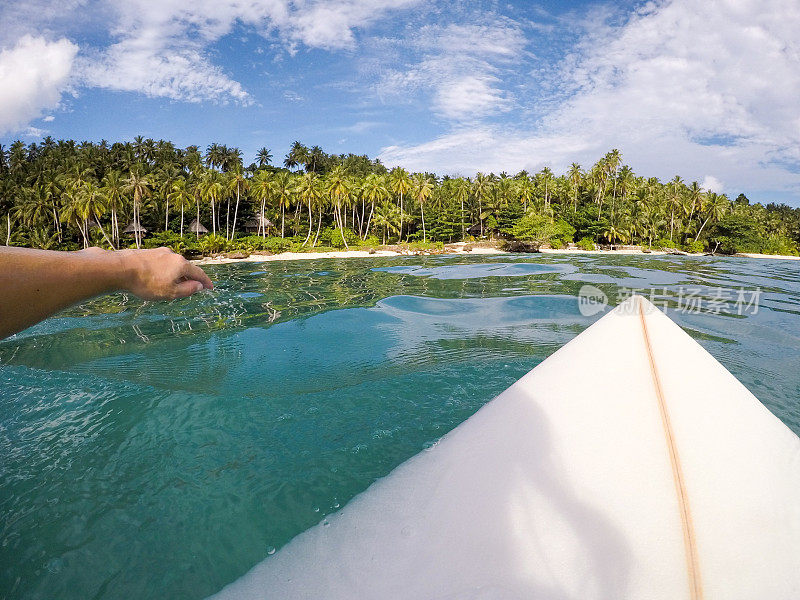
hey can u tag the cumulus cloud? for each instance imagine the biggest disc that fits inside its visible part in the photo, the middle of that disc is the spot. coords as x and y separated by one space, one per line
33 74
712 184
689 86
162 49
459 68
330 24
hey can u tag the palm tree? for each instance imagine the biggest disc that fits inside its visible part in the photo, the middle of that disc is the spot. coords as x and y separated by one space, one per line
113 190
481 187
717 206
298 155
388 218
546 176
262 188
374 190
94 207
214 156
309 191
524 189
264 157
166 178
237 183
76 211
422 189
575 176
181 197
338 189
612 162
613 233
210 188
283 187
463 190
138 185
399 184
674 202
694 198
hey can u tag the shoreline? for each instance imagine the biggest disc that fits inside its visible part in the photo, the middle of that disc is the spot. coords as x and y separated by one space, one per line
458 248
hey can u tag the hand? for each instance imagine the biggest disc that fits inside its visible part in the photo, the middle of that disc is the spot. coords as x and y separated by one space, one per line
160 274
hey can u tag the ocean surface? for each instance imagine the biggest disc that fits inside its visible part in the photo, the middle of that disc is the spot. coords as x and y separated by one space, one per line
160 450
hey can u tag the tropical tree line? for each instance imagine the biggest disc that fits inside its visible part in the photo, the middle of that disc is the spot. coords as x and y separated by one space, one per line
61 194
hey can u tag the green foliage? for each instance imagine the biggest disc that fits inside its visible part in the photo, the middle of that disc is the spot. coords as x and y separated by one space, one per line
694 247
587 243
420 246
737 233
564 233
371 241
212 244
540 230
332 237
42 238
662 243
162 238
256 243
51 191
779 244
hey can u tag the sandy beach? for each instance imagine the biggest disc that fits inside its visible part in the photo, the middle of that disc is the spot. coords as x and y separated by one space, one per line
775 256
464 248
457 248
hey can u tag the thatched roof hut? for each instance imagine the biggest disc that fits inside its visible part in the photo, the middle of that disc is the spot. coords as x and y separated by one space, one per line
133 228
197 227
258 222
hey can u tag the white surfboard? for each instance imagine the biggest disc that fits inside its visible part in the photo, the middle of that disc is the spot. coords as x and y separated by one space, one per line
629 464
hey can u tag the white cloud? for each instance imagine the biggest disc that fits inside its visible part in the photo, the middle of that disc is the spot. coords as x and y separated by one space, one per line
330 24
162 49
33 74
712 184
689 86
459 68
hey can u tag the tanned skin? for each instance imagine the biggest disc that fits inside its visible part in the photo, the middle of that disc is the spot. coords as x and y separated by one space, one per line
35 284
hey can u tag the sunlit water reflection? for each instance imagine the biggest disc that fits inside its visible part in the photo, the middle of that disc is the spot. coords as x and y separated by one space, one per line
161 450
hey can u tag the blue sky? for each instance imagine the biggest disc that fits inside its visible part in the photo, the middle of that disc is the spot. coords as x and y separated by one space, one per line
706 89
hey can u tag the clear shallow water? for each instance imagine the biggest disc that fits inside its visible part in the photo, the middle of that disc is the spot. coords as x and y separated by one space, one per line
161 450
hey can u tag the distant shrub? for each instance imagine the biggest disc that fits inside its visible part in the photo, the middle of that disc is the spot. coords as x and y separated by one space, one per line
587 243
779 244
563 234
694 246
211 244
661 243
332 236
372 240
737 233
162 238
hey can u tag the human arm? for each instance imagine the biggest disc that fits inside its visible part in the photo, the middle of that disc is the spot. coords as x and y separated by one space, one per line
35 284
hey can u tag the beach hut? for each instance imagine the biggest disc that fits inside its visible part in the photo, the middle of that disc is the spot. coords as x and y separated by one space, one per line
197 228
135 228
257 223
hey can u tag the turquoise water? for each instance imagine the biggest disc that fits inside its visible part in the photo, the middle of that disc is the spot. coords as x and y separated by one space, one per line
160 450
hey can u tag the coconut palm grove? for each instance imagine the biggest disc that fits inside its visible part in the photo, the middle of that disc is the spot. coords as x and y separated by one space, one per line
146 193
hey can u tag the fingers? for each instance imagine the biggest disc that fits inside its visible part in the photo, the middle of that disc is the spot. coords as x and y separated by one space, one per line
194 272
187 288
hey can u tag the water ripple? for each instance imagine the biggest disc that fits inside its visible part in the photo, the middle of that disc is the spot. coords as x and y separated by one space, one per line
162 449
